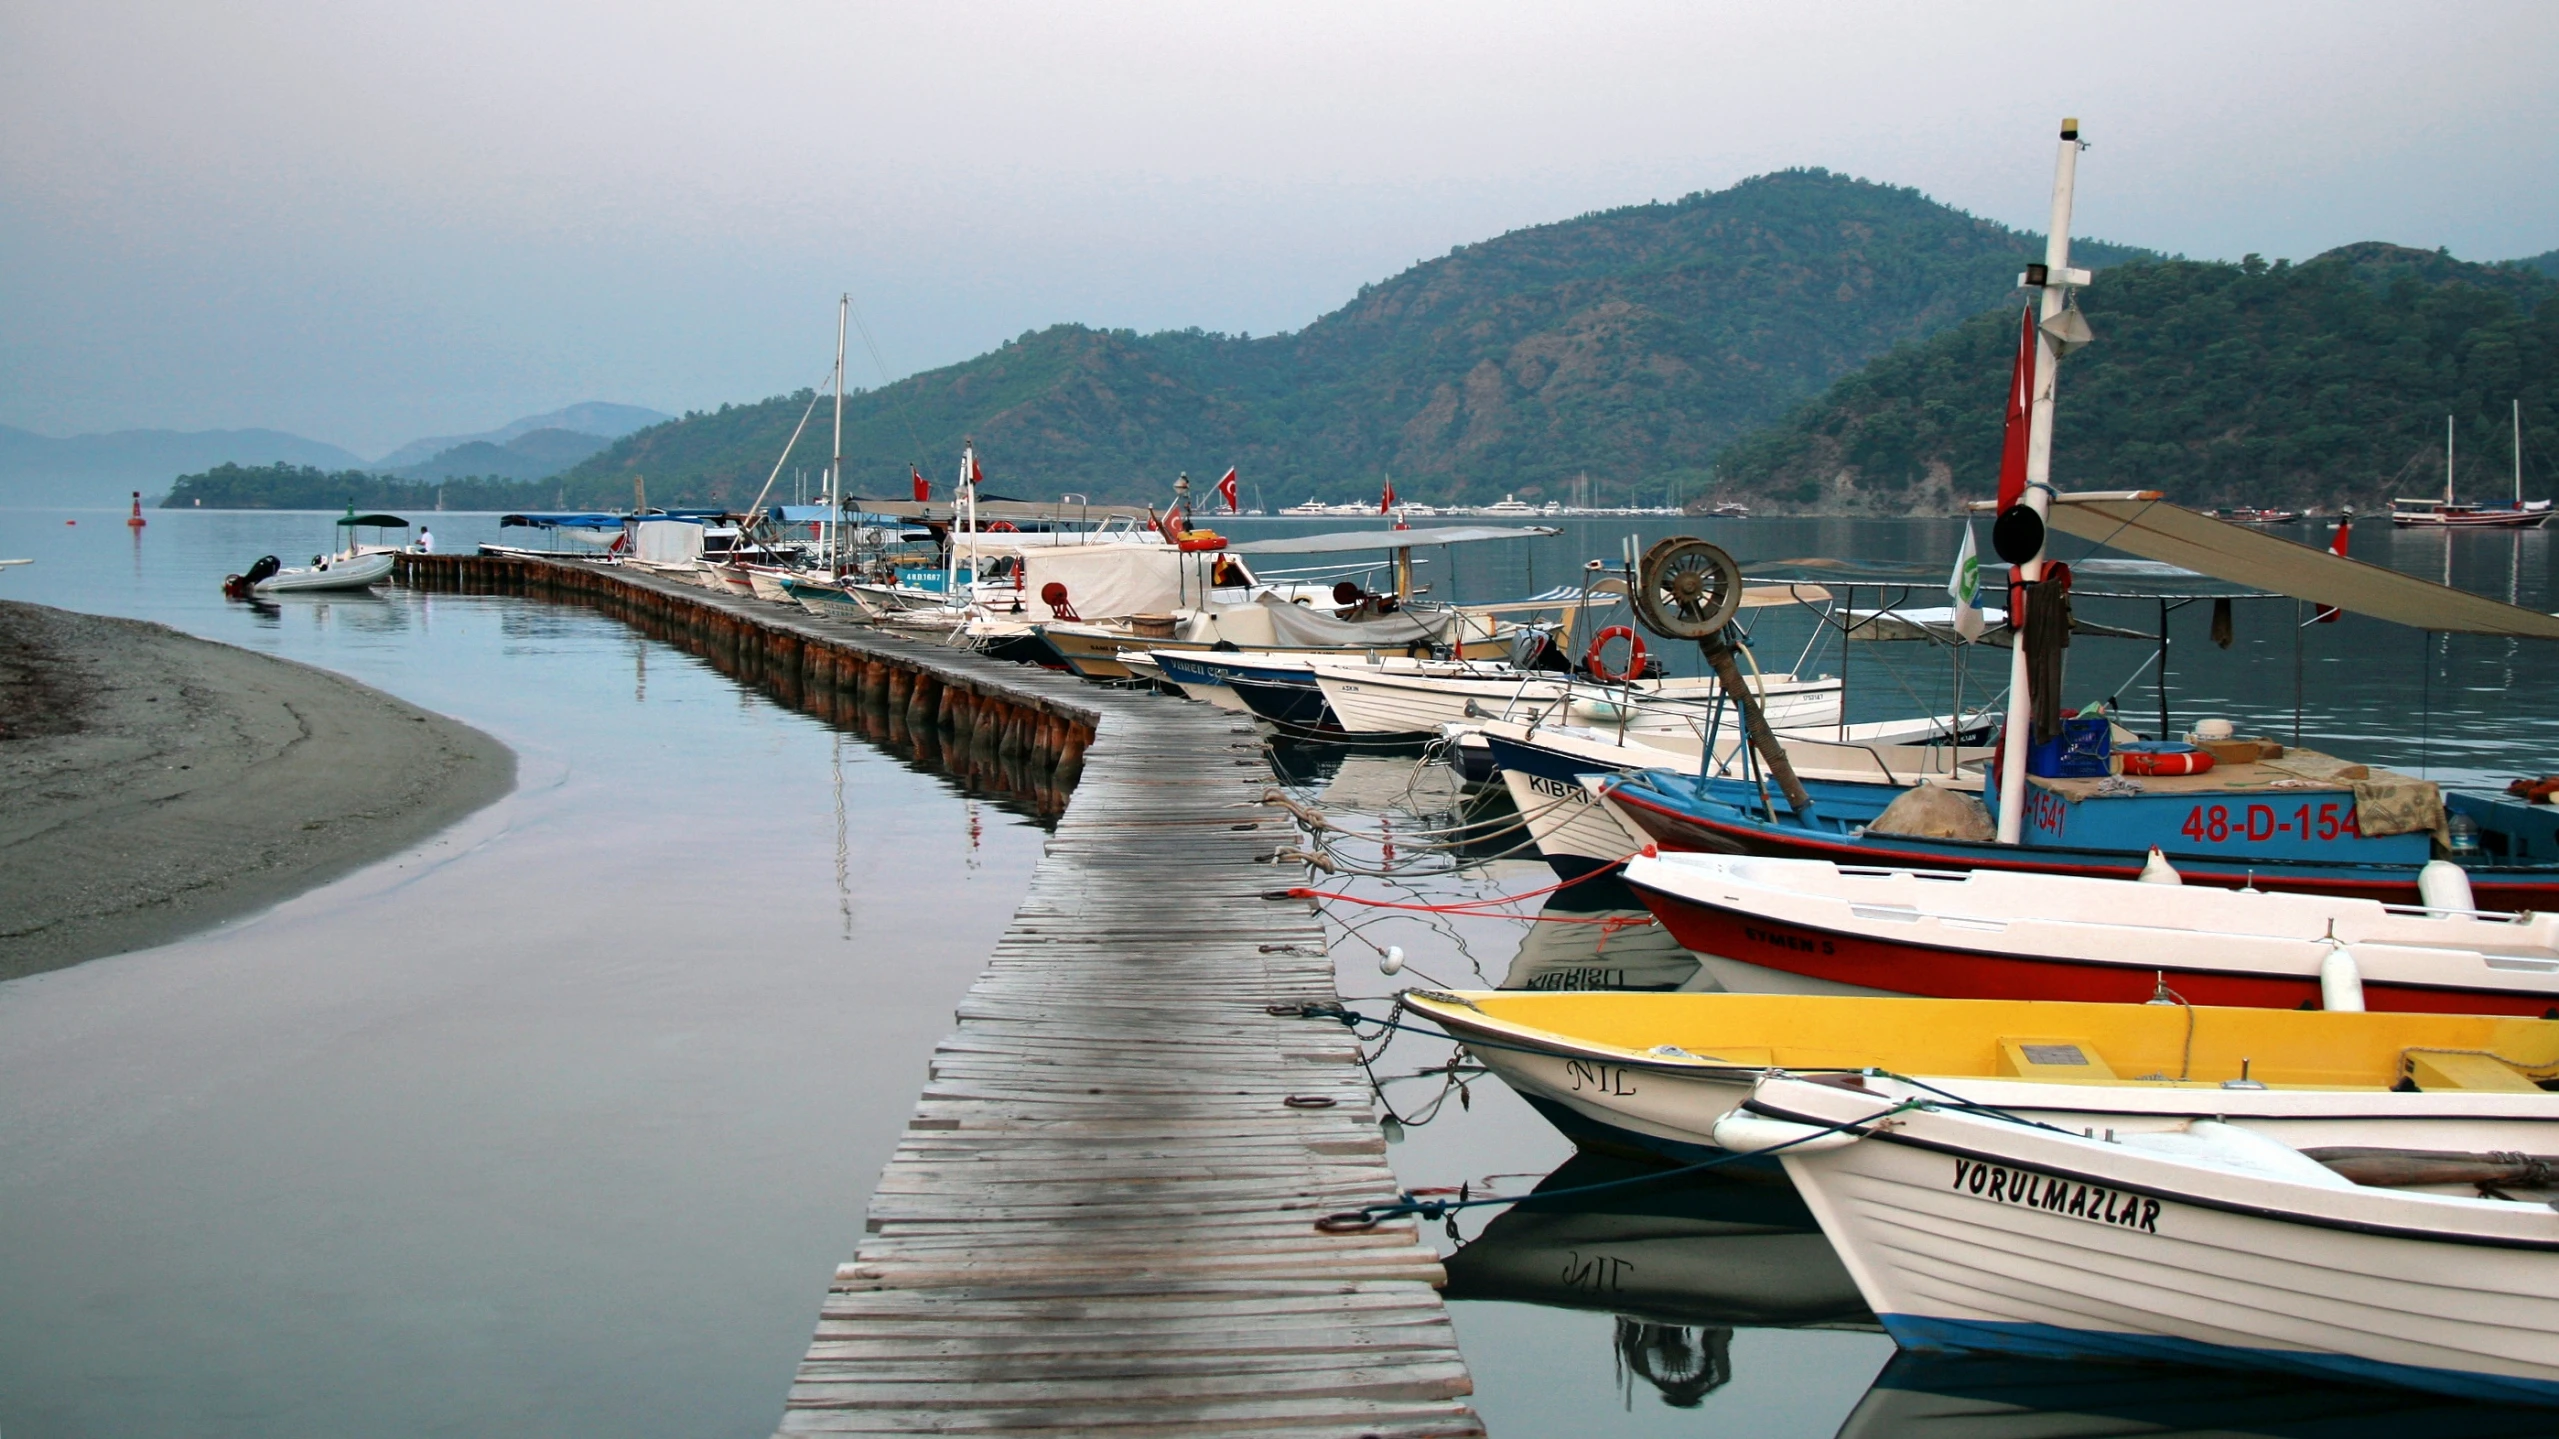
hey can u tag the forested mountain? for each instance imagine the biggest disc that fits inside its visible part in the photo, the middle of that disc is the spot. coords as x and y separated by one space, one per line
1632 344
2322 383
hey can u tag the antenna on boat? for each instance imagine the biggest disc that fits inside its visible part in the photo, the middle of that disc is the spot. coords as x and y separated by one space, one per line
2057 281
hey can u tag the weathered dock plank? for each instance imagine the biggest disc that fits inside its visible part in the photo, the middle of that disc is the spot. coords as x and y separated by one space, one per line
1099 1219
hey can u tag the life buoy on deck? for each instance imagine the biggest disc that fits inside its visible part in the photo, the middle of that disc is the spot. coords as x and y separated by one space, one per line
1594 659
1002 527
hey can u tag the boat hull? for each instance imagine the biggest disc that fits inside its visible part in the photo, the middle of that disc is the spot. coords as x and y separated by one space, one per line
1970 1233
361 572
1676 823
1374 703
1844 961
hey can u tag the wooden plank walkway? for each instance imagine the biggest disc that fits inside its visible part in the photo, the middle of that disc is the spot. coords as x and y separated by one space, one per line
1100 1218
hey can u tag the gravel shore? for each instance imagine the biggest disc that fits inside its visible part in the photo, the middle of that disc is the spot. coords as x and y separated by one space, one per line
153 784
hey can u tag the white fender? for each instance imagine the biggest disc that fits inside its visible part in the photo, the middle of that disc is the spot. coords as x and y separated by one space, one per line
2444 885
2341 981
1743 1132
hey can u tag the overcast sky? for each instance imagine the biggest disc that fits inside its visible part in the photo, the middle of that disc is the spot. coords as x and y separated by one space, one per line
366 222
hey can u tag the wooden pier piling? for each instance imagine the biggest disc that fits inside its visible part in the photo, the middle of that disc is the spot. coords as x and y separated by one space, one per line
1101 1217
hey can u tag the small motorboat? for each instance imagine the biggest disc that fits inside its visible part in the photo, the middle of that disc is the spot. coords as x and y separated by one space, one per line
1809 924
2204 1239
1659 1071
268 576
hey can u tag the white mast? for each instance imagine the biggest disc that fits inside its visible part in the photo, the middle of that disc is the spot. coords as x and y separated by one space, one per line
2518 454
963 513
835 470
2447 459
2059 281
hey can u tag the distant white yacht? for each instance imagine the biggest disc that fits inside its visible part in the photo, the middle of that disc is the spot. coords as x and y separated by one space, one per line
1311 507
1511 505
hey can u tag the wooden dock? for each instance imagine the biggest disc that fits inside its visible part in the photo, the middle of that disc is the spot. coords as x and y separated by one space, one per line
1100 1219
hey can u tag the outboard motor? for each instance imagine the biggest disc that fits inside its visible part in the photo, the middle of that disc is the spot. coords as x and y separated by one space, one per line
239 586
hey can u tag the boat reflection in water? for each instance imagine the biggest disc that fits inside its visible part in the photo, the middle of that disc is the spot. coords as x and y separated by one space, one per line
1942 1396
1680 1263
1598 935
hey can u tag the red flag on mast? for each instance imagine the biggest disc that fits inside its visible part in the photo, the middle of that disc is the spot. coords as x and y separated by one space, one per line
1386 501
2345 525
923 491
1226 492
2021 408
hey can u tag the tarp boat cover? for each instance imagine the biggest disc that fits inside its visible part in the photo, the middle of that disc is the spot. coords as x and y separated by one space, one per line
2139 522
667 541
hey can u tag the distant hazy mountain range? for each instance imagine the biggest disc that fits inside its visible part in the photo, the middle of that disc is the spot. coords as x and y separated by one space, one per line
592 417
99 469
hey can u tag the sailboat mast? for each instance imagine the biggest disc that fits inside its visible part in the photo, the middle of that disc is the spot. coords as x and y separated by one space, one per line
2518 454
835 469
2447 459
2058 282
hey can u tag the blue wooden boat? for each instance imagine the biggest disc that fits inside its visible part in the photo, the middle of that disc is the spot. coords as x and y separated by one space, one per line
2303 839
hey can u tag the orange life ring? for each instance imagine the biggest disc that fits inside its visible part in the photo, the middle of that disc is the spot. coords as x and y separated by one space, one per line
2158 763
1592 658
1001 527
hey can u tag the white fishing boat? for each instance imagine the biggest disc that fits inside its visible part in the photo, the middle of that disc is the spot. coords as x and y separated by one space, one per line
1378 698
1578 831
1813 925
829 600
2199 1239
1660 1071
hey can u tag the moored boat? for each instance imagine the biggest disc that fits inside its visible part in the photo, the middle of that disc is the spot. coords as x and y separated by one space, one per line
1658 1071
2305 822
1987 934
2207 1240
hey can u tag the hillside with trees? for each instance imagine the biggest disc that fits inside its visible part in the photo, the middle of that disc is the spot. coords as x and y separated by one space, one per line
1633 345
308 487
2319 384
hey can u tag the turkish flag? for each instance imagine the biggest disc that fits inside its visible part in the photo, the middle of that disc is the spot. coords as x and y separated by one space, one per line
2328 613
1386 501
975 476
2021 407
1226 492
923 491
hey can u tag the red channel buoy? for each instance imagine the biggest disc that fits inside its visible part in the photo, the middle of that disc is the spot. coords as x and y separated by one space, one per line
137 521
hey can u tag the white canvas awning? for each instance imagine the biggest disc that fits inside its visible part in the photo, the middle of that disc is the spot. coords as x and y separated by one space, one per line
1384 539
2139 522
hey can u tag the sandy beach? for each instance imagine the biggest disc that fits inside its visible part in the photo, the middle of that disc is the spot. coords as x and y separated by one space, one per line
153 784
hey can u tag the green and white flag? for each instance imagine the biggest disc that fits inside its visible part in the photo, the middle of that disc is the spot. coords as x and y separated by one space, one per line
1965 585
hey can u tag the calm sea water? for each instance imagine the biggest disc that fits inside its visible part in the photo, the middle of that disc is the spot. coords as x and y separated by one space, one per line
559 1124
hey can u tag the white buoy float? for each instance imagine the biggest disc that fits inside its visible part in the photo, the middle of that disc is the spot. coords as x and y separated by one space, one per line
2341 981
2445 885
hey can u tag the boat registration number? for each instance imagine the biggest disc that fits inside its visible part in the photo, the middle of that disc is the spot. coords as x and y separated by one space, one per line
1558 789
2055 1195
2257 823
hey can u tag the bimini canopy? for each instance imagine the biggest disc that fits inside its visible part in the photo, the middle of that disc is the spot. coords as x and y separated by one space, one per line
597 521
2139 522
375 522
1392 539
